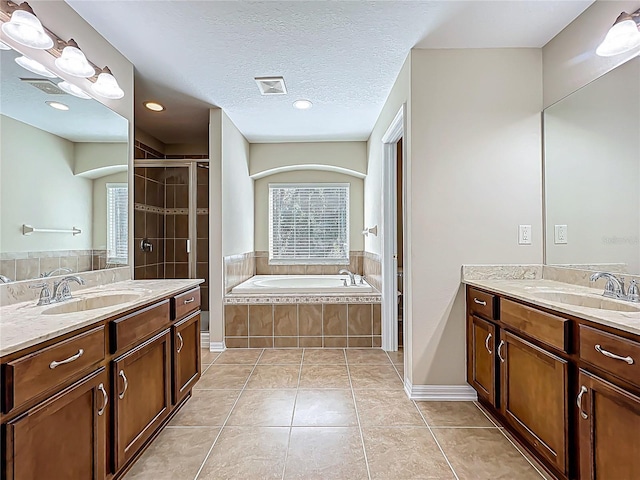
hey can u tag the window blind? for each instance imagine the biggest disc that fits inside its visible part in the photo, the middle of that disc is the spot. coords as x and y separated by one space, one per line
117 223
309 223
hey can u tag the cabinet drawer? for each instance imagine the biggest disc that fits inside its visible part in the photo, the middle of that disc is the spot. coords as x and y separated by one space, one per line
537 324
185 303
614 354
129 329
43 370
481 303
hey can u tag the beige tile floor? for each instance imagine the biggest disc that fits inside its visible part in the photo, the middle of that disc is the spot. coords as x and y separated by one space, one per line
323 414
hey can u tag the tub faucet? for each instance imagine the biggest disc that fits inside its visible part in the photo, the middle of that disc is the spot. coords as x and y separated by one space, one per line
352 276
614 287
61 289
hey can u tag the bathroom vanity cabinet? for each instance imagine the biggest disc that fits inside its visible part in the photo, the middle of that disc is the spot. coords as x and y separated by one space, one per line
567 388
86 404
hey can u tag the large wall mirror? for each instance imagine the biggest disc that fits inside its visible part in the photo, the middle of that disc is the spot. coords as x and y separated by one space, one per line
63 179
592 174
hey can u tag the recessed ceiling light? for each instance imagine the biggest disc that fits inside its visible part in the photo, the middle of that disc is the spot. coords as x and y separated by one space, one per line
302 104
154 106
58 106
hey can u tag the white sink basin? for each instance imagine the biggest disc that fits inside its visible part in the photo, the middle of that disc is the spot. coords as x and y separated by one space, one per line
601 303
91 303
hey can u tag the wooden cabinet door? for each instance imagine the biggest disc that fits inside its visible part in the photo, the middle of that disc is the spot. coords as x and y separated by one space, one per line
142 396
186 356
535 396
63 437
481 362
608 429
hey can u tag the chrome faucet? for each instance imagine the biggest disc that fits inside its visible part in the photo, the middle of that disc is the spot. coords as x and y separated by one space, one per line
352 275
45 293
57 270
614 288
61 289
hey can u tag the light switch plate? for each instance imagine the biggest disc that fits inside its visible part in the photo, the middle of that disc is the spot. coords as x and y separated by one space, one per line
560 235
524 234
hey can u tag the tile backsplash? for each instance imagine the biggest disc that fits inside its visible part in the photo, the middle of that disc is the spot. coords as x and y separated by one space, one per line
19 266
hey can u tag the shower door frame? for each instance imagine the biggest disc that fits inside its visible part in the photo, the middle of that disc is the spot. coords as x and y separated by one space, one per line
192 165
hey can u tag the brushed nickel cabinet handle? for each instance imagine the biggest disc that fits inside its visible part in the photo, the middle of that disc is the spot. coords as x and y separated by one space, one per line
486 344
599 349
126 384
191 300
105 401
480 302
72 358
583 390
181 343
499 350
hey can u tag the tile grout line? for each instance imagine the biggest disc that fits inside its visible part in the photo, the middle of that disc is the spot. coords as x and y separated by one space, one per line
486 415
227 418
293 414
355 406
521 453
435 440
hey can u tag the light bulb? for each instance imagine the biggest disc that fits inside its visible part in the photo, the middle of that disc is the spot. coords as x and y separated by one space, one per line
302 104
35 67
58 106
74 90
74 63
107 86
25 28
622 37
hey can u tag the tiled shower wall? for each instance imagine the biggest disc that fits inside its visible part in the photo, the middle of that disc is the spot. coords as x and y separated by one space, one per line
202 228
176 262
328 325
19 266
149 222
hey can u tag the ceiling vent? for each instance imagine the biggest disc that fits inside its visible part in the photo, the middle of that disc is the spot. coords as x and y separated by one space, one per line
271 85
47 86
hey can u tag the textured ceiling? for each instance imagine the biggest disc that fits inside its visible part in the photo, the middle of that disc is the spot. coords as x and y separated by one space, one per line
342 55
85 121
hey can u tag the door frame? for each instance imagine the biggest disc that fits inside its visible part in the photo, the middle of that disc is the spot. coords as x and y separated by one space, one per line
394 133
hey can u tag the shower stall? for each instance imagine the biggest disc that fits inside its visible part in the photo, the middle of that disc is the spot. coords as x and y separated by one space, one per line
171 222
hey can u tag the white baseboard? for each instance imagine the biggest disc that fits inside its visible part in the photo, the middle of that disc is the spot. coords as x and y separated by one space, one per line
204 340
217 347
442 393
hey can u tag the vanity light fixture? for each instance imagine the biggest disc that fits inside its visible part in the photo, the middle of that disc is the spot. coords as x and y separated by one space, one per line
302 104
4 46
74 62
25 28
622 37
154 106
107 86
58 106
35 67
74 90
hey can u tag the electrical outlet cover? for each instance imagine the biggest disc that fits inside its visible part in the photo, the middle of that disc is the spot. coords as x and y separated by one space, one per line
561 235
524 234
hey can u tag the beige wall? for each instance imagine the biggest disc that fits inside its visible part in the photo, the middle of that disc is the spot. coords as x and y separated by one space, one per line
356 199
346 155
592 171
570 60
100 207
186 149
475 175
40 190
93 155
216 272
237 191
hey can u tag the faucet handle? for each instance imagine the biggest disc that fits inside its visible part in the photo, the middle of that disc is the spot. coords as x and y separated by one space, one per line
45 293
633 295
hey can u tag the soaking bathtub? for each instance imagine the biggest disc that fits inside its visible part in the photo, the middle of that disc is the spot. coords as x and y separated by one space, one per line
301 284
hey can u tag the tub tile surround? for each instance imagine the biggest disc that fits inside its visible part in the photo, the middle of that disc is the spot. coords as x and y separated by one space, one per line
293 325
372 269
263 267
238 268
18 292
557 279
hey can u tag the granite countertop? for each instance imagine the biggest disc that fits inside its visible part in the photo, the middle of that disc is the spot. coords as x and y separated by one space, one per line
24 324
528 290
